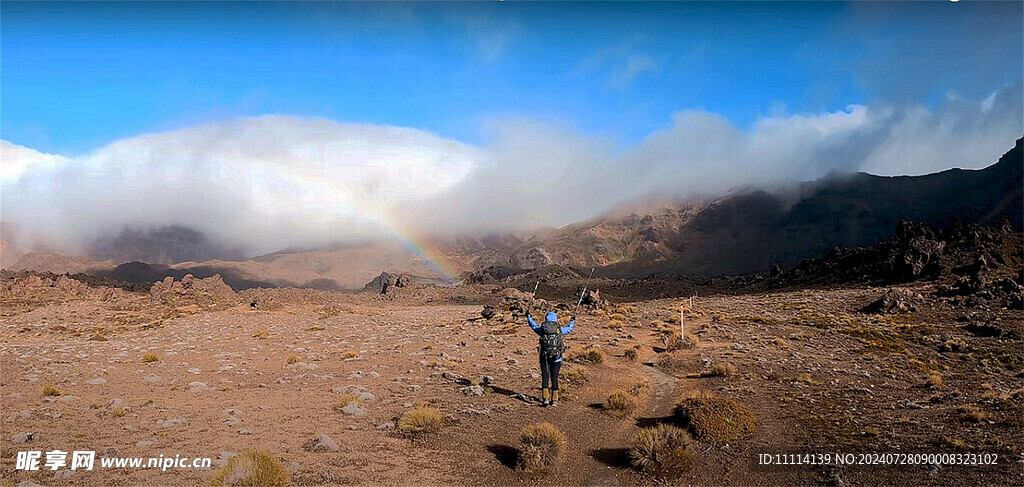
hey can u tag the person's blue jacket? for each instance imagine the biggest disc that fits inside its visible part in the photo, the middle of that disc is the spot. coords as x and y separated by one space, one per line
551 316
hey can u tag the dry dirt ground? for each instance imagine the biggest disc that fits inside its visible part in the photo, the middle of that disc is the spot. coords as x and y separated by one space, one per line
818 375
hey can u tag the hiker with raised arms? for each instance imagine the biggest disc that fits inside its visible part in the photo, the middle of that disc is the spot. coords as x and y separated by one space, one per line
552 346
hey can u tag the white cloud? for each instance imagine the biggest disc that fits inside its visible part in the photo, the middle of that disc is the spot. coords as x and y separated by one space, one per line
266 183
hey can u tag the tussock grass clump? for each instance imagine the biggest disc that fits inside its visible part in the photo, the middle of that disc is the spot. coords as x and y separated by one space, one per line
349 354
422 420
293 359
709 417
541 447
619 404
347 399
934 380
585 356
661 450
251 468
150 357
721 370
630 354
261 334
118 412
575 375
673 340
51 391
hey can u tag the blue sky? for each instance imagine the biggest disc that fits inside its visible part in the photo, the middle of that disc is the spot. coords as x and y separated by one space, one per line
78 76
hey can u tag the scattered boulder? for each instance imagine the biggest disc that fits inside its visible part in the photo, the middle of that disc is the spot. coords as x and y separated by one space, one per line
353 409
387 283
489 312
895 301
21 438
190 290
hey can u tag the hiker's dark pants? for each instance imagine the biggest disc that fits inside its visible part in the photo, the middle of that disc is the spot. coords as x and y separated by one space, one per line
549 370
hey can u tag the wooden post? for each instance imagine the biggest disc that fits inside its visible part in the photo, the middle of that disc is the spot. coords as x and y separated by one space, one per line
682 320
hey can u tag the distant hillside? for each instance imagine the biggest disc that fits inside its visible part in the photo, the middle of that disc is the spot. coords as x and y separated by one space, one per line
751 231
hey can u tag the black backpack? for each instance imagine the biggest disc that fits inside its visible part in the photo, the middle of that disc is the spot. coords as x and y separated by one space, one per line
551 344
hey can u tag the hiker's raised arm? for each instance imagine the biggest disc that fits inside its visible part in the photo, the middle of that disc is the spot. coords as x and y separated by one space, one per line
568 328
533 324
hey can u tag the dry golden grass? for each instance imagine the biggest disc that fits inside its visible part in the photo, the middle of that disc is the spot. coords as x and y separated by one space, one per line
541 447
349 354
973 414
261 334
51 391
619 404
347 399
251 468
585 356
721 370
709 417
118 412
934 380
293 359
575 375
661 450
150 358
674 341
422 420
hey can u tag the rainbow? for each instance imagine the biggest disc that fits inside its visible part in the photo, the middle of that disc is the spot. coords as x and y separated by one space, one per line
342 200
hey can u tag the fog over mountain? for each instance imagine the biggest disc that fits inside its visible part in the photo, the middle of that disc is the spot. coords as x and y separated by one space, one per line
256 185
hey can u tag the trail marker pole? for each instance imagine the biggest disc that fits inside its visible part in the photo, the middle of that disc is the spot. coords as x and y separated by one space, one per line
584 290
683 308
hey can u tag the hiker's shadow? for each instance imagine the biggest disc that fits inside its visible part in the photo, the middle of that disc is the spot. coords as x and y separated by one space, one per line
500 390
612 457
653 421
506 455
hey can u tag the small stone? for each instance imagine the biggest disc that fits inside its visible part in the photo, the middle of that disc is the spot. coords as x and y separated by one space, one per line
167 423
115 404
24 414
353 409
356 375
195 370
414 387
198 387
244 431
473 390
390 425
145 443
98 381
322 443
151 378
21 438
27 483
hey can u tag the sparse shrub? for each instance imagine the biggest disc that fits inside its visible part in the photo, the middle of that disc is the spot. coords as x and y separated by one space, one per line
972 414
709 417
541 447
347 399
661 450
585 356
118 412
349 354
422 420
251 468
630 354
721 370
575 375
293 359
619 404
261 334
934 380
52 391
150 358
